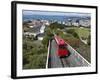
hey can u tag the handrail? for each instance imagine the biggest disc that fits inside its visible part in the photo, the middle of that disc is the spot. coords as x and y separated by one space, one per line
48 55
78 54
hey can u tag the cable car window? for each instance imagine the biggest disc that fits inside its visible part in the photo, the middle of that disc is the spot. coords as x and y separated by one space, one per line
62 46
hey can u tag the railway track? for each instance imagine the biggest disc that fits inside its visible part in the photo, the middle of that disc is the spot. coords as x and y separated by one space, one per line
64 62
73 60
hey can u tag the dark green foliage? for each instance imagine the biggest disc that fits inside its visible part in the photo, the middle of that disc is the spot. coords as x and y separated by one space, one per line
72 31
89 40
56 25
36 61
48 32
25 59
48 36
45 40
75 35
34 54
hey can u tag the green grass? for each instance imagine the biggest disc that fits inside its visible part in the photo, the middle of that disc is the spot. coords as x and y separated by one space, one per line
83 32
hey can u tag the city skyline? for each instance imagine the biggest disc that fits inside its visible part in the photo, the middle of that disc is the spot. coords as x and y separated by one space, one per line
55 13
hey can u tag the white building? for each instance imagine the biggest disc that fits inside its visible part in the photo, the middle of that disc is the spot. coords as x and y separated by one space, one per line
85 23
40 36
31 26
29 34
75 24
42 29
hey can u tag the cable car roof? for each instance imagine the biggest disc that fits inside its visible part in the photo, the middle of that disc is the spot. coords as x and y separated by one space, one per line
59 40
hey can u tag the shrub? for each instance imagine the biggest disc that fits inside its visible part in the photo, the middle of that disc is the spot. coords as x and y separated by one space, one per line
89 40
75 35
72 31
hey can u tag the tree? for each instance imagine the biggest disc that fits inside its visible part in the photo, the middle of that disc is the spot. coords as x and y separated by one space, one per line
45 40
89 40
72 31
75 35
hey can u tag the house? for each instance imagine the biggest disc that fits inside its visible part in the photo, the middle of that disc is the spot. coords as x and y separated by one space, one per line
40 36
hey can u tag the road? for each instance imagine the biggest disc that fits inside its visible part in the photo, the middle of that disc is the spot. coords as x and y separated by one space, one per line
74 60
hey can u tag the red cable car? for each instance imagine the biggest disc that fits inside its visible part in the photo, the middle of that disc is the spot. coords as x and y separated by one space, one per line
61 47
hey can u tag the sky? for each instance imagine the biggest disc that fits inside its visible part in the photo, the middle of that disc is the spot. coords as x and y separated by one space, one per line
52 13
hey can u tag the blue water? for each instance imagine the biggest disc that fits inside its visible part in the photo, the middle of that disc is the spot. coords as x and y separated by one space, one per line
43 17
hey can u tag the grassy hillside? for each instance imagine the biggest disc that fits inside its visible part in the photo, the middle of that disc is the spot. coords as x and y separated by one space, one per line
83 32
